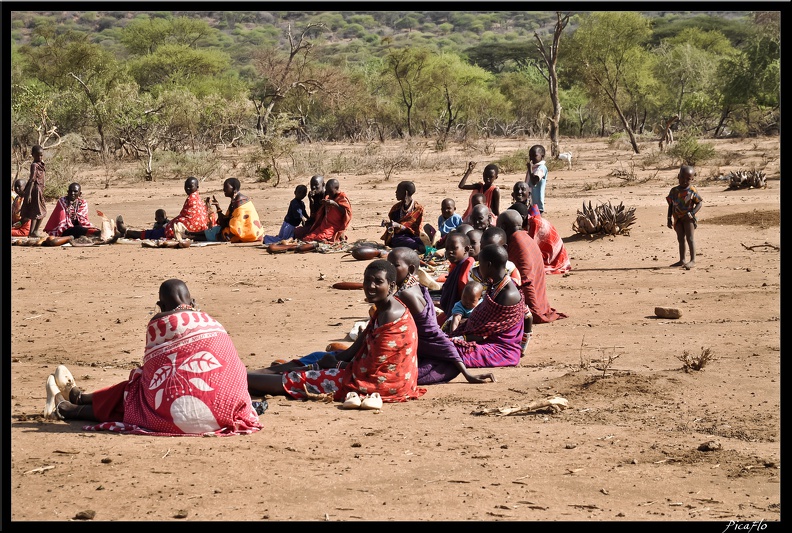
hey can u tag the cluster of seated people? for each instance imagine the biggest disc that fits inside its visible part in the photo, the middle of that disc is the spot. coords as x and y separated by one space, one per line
483 317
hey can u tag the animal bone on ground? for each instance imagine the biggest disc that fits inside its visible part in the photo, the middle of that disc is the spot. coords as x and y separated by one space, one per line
556 404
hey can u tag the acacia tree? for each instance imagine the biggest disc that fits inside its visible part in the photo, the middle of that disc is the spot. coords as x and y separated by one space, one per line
550 58
456 85
82 73
284 73
608 47
408 68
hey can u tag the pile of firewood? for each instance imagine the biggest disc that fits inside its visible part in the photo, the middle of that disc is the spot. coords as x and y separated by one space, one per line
604 218
747 179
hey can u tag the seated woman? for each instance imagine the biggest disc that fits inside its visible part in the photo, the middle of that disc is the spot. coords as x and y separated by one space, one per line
554 254
404 220
70 216
192 217
438 359
382 360
240 223
491 336
192 381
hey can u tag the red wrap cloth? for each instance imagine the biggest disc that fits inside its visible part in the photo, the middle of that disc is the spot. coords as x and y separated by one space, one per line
65 214
330 222
554 254
192 382
526 256
193 215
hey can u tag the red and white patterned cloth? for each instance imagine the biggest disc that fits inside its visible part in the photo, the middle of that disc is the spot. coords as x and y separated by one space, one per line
193 215
192 382
554 254
65 214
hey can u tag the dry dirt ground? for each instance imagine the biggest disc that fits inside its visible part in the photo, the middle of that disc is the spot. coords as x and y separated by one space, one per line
626 449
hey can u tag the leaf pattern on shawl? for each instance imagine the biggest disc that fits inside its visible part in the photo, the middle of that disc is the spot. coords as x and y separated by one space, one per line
161 374
201 384
200 362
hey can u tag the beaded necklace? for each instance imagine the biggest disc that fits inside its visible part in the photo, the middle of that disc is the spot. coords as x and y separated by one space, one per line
184 307
495 290
410 281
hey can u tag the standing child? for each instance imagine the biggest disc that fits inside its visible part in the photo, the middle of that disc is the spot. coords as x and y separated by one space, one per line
471 297
684 202
33 206
295 216
403 225
536 177
488 188
447 222
160 219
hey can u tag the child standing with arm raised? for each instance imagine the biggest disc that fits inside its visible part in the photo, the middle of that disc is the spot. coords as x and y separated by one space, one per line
684 202
486 187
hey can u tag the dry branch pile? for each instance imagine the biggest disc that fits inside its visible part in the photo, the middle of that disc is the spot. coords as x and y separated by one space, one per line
747 179
604 218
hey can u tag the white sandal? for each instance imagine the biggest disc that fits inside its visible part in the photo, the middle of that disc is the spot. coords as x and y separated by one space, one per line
51 408
372 401
352 401
64 380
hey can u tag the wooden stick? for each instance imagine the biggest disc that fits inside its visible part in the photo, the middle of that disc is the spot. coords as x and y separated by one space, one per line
767 244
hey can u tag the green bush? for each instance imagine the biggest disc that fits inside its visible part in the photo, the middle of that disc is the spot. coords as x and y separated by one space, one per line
514 162
689 151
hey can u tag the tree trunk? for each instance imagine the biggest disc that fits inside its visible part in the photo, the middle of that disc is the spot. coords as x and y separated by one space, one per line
722 121
550 58
602 125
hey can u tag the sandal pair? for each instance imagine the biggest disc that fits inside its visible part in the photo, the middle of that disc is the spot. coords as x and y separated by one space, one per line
371 402
59 382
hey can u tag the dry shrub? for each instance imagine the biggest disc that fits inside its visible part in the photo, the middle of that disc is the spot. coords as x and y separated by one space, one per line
696 362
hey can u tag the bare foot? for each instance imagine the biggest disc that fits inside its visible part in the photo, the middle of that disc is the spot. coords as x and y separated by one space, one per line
689 265
678 264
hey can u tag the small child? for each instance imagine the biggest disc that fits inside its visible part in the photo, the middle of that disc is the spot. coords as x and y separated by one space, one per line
536 177
684 202
487 187
160 219
471 297
447 222
295 216
475 199
474 236
457 252
33 205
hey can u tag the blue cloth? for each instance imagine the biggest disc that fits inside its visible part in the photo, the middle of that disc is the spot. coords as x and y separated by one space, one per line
538 190
212 233
460 309
314 357
296 212
448 225
286 232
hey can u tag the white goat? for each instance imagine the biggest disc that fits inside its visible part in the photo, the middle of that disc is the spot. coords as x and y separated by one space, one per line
566 156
